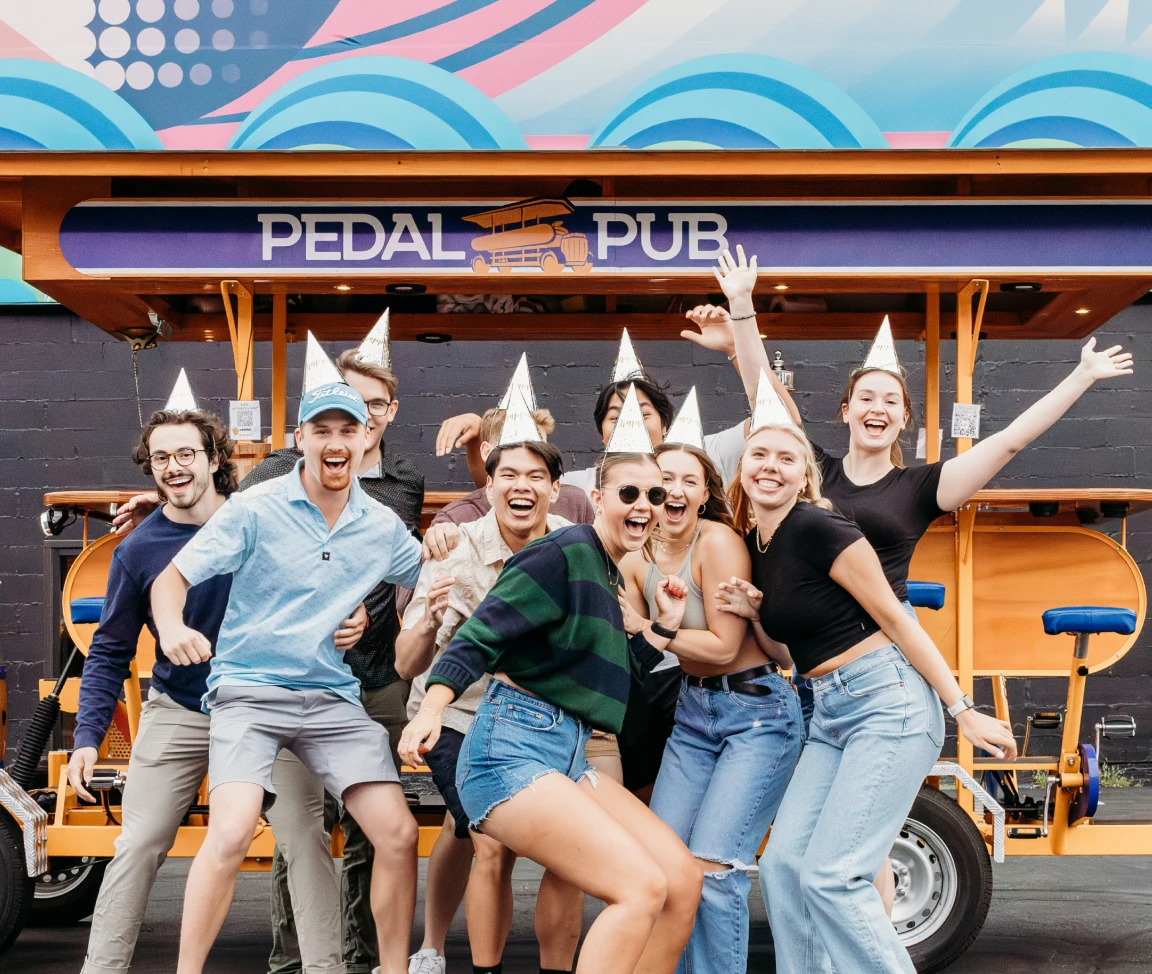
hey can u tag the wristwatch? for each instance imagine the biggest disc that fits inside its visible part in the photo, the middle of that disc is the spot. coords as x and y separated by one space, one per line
659 630
964 703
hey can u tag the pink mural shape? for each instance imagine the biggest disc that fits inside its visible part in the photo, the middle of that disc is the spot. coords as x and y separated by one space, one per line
351 18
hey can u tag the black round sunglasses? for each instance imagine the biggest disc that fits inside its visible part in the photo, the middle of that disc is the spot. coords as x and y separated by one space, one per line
630 494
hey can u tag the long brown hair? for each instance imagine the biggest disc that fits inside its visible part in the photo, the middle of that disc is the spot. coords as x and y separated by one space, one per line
716 507
744 518
213 434
896 454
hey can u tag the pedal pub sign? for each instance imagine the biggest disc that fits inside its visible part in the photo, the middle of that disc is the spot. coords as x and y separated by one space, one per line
553 236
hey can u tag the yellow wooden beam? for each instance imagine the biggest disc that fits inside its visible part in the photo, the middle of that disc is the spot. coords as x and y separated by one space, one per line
932 373
242 334
279 369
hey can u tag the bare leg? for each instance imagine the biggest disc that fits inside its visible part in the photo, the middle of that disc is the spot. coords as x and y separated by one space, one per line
488 901
381 811
448 871
606 843
885 884
234 809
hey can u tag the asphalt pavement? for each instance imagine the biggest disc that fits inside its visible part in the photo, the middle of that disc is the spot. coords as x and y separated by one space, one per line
1064 916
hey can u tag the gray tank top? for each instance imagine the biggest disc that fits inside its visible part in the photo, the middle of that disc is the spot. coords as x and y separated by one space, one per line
694 615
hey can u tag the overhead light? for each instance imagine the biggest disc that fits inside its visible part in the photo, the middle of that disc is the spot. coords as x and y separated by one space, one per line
1029 286
405 288
434 337
343 287
781 287
1083 311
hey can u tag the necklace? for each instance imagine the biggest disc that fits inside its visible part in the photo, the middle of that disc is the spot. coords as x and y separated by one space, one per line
669 550
609 564
763 548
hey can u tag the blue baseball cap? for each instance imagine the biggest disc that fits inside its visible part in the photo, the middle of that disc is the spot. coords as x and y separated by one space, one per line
333 395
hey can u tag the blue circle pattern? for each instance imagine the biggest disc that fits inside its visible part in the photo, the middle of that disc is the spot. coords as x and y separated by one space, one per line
739 102
378 103
1072 99
48 106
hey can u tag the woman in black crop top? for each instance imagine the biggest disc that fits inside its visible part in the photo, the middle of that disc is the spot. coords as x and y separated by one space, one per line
818 587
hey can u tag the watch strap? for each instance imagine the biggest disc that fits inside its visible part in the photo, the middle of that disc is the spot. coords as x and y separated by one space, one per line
659 630
964 703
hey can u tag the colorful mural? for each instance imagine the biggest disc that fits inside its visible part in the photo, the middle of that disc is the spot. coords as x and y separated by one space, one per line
539 74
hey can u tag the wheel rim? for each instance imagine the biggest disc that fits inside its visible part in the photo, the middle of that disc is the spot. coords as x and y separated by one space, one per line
63 877
926 883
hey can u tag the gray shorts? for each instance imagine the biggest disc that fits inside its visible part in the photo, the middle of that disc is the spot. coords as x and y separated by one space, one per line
332 736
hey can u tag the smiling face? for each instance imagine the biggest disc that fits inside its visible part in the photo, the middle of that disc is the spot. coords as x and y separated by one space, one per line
521 490
876 411
627 526
333 444
375 394
181 486
652 421
686 483
773 468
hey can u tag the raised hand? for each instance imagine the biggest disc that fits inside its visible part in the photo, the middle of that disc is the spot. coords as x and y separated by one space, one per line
1107 364
129 516
715 328
737 277
988 733
455 431
671 595
739 597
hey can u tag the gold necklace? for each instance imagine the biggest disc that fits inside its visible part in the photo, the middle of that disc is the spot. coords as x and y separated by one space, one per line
668 550
763 549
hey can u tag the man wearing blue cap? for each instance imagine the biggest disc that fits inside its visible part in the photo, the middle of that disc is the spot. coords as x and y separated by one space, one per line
302 549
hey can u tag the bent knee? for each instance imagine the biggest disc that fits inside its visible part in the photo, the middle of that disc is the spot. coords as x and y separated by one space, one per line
647 891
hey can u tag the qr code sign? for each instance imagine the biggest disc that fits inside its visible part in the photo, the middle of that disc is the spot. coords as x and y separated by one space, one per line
965 421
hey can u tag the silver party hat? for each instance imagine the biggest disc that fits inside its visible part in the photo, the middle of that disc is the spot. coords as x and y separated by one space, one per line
627 363
770 409
520 380
318 367
519 425
686 426
630 435
181 399
882 354
376 349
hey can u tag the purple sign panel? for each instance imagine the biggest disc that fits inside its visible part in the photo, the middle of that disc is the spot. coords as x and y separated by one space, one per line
556 236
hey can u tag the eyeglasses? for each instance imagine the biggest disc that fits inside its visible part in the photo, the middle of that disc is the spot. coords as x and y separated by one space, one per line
630 494
378 407
183 457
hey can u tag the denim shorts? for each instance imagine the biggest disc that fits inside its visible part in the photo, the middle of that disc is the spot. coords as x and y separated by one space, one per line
514 739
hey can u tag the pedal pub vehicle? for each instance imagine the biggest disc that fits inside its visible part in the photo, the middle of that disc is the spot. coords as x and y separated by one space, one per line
971 245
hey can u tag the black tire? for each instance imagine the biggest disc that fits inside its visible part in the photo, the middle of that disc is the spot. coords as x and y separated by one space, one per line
15 884
67 893
943 881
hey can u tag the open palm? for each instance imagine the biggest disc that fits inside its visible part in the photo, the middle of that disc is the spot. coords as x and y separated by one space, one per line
1107 364
737 277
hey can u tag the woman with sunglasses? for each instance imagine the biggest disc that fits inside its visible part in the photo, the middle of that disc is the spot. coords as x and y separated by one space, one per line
738 728
551 631
878 680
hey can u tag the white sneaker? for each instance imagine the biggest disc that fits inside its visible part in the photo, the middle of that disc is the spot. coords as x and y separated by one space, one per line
424 961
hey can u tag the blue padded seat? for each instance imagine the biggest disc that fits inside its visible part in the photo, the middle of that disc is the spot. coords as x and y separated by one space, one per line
926 595
87 610
1089 618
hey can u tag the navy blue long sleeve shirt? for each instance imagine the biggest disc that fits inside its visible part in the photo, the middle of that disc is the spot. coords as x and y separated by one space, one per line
138 559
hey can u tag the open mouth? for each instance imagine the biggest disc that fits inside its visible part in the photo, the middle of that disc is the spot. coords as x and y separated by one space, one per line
521 506
336 464
178 483
875 426
674 511
769 484
637 526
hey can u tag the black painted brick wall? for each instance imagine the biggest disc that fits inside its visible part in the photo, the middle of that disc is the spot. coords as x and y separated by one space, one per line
68 418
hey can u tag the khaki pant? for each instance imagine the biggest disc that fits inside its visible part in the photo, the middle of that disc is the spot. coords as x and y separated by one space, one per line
169 760
388 707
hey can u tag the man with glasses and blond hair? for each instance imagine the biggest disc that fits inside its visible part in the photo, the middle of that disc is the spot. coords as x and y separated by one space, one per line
187 454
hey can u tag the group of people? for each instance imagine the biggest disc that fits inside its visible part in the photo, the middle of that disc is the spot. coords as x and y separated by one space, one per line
591 664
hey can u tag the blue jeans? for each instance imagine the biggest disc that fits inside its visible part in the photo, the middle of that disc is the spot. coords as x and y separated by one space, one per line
876 732
724 772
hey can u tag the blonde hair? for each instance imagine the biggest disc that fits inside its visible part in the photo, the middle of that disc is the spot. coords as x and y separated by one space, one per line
347 362
896 454
492 424
738 500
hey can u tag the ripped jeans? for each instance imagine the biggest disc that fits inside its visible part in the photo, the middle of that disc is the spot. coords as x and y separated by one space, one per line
725 769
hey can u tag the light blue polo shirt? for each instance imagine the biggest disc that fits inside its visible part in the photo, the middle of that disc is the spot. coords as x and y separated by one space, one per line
294 581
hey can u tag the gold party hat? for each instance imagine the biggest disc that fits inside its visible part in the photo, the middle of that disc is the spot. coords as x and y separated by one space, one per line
520 380
181 399
686 426
376 349
770 409
630 435
882 354
519 425
627 363
318 367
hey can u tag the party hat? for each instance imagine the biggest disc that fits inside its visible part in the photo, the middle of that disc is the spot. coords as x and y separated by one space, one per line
882 354
318 367
630 435
627 363
770 409
181 399
520 380
686 426
519 424
376 349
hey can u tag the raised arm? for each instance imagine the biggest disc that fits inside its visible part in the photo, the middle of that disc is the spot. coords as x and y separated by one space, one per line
858 570
463 430
965 474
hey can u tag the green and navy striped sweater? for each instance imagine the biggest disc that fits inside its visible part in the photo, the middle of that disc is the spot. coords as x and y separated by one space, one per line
552 622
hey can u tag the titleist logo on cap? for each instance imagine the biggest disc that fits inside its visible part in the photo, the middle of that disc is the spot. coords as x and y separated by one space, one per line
345 392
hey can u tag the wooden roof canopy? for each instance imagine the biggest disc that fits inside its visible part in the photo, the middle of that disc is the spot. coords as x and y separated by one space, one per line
37 189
